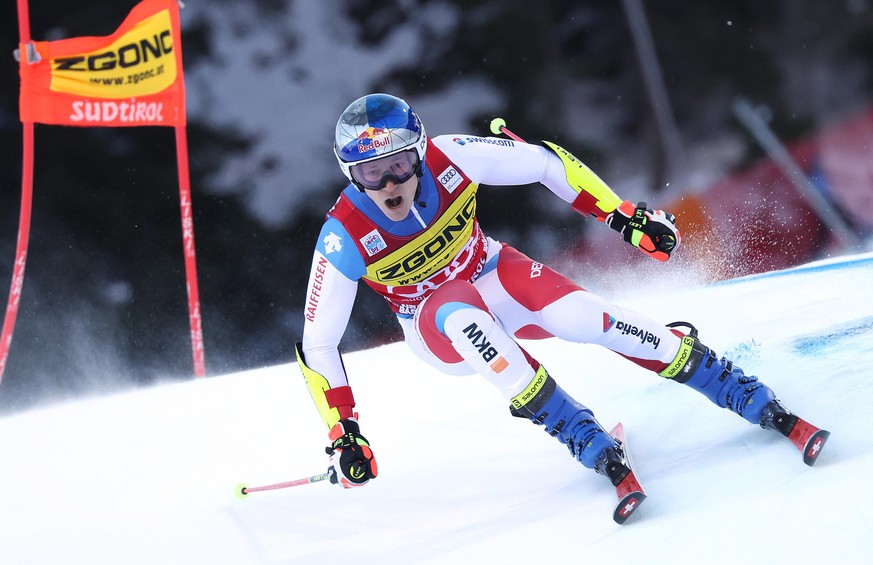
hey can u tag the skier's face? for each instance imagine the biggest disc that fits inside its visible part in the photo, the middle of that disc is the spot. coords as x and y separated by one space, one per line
395 200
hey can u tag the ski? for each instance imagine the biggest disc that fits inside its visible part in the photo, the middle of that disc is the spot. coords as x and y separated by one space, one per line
629 491
809 440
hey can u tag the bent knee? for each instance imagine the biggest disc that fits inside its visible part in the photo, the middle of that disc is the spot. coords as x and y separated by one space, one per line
449 298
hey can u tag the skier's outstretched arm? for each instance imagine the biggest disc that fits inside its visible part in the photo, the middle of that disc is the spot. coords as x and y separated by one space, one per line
502 162
329 301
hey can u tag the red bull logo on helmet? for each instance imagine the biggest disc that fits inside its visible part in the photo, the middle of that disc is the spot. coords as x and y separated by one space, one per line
373 139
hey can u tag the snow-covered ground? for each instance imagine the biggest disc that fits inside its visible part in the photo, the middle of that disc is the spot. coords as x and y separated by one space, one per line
149 476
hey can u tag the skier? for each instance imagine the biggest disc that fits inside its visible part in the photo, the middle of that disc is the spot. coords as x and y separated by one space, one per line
406 225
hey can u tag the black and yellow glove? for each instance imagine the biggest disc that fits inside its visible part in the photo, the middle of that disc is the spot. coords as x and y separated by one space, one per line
352 463
653 232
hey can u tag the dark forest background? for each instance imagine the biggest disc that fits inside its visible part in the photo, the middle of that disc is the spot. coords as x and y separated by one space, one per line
104 301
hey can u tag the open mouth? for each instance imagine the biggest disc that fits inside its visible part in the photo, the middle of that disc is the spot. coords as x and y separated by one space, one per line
394 203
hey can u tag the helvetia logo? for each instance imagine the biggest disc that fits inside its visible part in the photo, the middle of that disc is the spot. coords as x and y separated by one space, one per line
629 329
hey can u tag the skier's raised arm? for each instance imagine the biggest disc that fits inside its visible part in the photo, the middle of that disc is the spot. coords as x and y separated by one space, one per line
495 161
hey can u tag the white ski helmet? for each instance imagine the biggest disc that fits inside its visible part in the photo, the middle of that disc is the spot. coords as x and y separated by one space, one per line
375 126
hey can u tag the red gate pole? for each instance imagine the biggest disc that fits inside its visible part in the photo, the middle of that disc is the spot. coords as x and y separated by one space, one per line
197 348
26 205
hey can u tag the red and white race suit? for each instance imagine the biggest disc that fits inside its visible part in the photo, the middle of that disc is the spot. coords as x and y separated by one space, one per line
461 297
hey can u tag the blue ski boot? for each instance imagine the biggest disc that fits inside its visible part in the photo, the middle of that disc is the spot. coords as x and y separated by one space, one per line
726 385
719 380
544 403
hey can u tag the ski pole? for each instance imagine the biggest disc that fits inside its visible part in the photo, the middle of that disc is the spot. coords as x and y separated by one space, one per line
243 490
498 126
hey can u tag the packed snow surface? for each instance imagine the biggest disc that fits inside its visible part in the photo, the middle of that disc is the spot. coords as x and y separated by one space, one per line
149 476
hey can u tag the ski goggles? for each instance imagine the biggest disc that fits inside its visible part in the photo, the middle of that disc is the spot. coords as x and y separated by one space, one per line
397 168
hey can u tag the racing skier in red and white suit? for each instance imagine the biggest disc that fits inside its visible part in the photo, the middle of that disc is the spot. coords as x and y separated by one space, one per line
406 225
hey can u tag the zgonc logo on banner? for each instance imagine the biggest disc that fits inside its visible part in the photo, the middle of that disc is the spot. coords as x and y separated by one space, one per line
133 77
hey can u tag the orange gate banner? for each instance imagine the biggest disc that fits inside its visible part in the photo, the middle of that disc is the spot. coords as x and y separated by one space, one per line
130 78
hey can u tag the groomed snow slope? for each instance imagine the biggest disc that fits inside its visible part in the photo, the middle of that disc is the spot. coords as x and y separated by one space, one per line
149 476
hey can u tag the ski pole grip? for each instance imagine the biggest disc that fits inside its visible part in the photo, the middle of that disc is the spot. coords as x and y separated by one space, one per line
498 126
